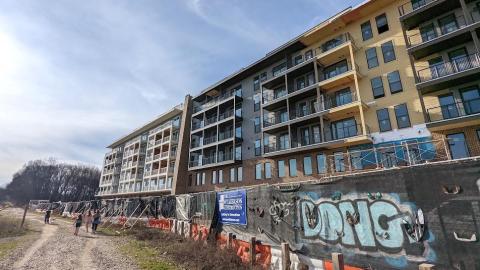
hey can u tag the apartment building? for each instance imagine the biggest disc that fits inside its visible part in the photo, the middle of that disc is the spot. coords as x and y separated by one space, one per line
320 103
443 45
148 160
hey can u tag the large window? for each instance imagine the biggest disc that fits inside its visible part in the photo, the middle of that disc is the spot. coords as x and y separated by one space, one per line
457 145
292 163
388 52
377 87
277 70
401 113
256 103
339 161
372 59
382 23
258 171
256 83
335 69
366 31
448 24
394 82
344 128
448 106
257 124
308 55
471 99
204 176
284 142
384 120
427 32
281 168
258 148
307 165
321 163
343 96
268 170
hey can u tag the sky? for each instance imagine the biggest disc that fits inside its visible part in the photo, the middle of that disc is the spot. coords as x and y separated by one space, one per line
76 75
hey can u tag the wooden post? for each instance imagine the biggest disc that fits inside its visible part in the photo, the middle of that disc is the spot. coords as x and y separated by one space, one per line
24 215
285 256
190 227
426 266
337 260
182 228
229 240
253 241
200 235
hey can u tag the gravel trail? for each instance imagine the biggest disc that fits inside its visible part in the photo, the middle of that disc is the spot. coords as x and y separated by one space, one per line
58 249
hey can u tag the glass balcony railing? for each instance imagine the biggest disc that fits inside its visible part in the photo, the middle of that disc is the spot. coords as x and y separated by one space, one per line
216 100
457 65
413 5
209 140
454 110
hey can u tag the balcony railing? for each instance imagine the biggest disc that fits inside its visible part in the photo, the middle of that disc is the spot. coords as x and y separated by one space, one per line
162 170
209 160
225 135
164 154
410 6
340 99
338 133
217 100
225 115
316 138
440 70
275 120
454 110
211 120
197 125
166 139
333 43
209 140
420 38
268 97
225 157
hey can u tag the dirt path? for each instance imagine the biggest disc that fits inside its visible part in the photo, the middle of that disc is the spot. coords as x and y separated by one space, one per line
58 248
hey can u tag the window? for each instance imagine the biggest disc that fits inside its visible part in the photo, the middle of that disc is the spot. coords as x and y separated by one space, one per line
232 174
257 124
256 103
372 59
298 59
332 43
388 52
447 106
366 31
240 174
401 112
307 165
384 120
382 23
308 55
427 32
281 168
339 162
203 178
214 177
238 152
418 3
258 148
457 145
377 87
198 179
279 69
268 170
394 82
283 142
258 171
220 176
343 96
321 163
344 128
300 82
335 69
448 24
256 83
471 99
263 77
292 163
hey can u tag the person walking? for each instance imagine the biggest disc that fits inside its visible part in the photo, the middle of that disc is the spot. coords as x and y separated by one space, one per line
47 216
78 223
96 221
88 220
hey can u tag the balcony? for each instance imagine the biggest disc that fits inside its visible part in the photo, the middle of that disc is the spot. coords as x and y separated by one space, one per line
217 100
331 138
225 115
412 13
436 40
454 115
342 74
166 139
212 160
165 154
225 135
209 140
447 74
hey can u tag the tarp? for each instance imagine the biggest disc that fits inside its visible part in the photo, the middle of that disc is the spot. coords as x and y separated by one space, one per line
183 207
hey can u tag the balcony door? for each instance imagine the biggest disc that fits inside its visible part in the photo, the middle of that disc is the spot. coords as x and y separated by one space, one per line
344 129
283 141
305 136
343 97
457 145
437 67
448 24
335 69
459 60
448 106
471 99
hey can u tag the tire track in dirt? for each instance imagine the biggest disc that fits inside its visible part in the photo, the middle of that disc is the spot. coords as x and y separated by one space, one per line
47 233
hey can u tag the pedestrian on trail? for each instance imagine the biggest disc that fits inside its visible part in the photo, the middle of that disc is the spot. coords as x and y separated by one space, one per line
96 221
78 223
47 216
88 220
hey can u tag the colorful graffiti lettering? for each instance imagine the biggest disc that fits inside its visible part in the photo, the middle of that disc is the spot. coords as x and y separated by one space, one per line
362 224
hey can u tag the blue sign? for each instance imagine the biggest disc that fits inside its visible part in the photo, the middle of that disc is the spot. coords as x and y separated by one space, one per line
232 206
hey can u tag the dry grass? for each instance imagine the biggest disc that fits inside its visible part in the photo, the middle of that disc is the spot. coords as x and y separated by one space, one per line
10 227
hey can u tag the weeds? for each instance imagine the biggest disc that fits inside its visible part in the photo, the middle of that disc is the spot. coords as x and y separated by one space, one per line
10 227
147 257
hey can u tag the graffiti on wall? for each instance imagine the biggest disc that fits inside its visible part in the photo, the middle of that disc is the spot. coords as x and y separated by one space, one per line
376 225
